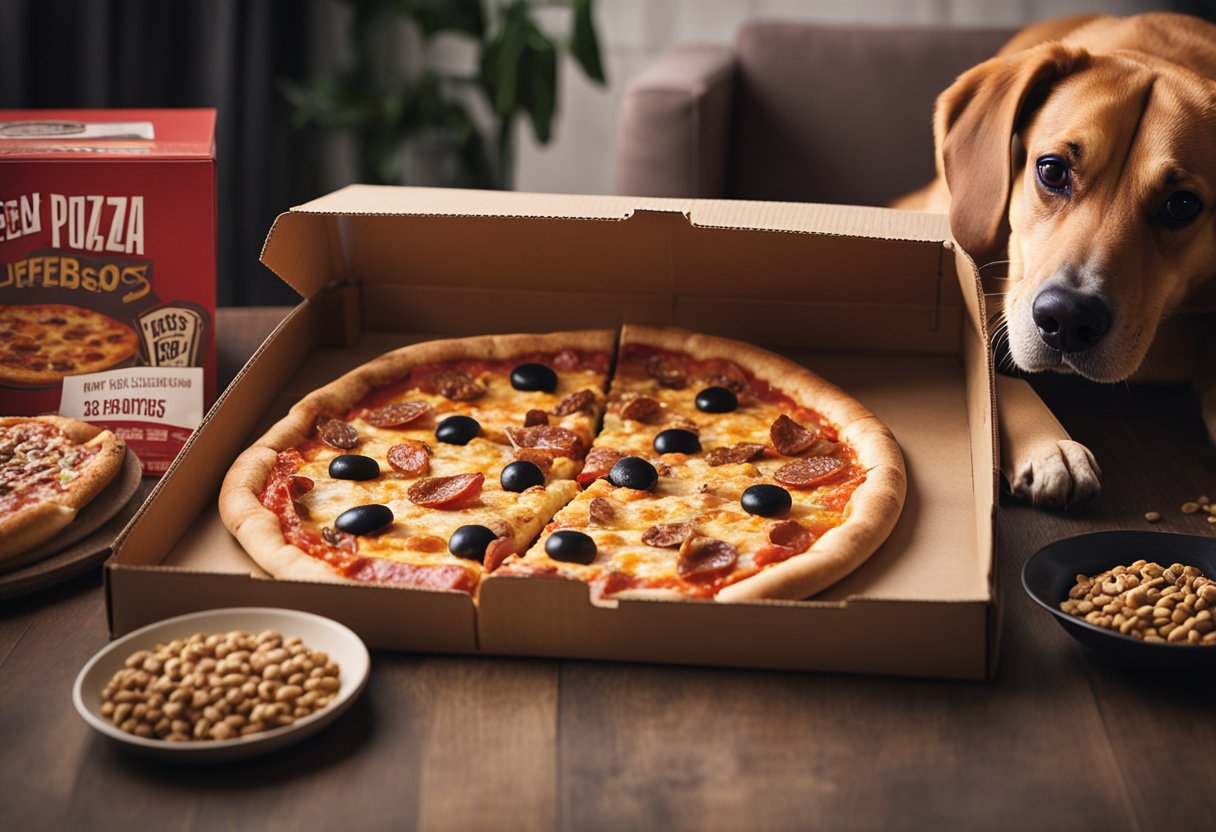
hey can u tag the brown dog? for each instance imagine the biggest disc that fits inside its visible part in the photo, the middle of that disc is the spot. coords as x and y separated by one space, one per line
1085 154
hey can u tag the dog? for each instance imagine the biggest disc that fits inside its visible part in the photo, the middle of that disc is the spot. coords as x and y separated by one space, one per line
1084 154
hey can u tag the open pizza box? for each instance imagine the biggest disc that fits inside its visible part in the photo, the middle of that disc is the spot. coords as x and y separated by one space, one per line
877 301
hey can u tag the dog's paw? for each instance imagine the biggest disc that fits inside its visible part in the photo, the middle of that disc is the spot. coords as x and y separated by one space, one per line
1056 475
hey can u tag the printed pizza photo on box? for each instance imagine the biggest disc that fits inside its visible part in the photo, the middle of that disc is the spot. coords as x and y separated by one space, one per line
107 271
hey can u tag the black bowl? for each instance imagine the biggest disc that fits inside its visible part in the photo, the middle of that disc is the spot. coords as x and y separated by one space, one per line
1052 571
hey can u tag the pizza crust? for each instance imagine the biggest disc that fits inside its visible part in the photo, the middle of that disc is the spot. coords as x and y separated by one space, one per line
35 524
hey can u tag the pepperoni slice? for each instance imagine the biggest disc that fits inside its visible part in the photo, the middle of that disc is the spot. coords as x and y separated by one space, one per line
599 462
339 539
666 372
726 374
600 511
772 553
791 535
735 454
541 459
458 491
789 437
641 409
500 527
548 438
397 414
410 457
499 550
566 360
574 403
298 486
705 558
667 535
536 417
809 472
337 433
458 386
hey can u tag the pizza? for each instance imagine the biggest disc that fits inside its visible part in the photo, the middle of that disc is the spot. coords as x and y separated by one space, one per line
50 468
662 464
40 343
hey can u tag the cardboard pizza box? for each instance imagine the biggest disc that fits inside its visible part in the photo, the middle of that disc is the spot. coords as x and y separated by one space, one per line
107 247
877 301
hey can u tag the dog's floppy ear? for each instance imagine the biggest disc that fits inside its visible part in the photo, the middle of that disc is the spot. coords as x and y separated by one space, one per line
973 126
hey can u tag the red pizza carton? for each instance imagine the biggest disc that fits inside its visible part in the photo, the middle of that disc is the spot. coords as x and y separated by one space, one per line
107 271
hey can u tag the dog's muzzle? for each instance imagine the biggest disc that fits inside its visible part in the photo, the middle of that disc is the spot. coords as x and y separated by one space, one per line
1068 319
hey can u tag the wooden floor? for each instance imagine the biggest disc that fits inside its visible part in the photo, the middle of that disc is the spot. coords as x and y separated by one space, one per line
1057 741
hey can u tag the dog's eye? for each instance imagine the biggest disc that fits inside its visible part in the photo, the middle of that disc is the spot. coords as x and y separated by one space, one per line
1053 173
1180 208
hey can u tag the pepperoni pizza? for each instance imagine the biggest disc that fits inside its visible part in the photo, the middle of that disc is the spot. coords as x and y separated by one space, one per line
40 343
698 467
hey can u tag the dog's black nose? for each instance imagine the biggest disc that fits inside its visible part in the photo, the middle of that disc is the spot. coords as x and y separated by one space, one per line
1069 320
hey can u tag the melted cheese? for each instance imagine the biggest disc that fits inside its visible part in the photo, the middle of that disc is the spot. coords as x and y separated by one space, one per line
689 490
419 534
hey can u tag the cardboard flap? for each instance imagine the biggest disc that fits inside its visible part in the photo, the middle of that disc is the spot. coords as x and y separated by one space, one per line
305 252
809 218
813 218
672 251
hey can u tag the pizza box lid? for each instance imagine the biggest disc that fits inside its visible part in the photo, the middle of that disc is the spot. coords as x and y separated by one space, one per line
80 135
435 257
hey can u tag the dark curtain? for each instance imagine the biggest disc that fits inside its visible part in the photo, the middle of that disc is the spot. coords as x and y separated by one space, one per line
226 54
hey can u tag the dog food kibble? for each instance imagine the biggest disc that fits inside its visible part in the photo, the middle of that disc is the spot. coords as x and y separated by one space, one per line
218 687
1152 516
1148 601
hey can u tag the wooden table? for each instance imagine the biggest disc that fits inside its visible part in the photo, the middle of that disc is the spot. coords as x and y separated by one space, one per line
1057 741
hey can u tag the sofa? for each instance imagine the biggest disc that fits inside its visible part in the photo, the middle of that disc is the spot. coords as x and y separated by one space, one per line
793 111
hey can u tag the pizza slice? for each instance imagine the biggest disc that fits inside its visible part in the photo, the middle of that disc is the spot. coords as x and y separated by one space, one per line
419 466
723 471
50 468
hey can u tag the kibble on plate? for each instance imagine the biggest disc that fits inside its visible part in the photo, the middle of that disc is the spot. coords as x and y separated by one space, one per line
1148 601
218 687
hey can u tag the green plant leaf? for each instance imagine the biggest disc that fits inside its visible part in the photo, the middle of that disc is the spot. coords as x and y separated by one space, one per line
503 56
539 83
584 43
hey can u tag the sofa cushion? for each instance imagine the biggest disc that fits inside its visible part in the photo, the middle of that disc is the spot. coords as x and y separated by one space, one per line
842 114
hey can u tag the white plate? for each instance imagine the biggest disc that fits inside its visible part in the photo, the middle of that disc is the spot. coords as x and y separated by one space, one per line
317 633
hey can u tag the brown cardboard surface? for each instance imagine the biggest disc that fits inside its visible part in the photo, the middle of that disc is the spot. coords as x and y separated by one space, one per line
873 300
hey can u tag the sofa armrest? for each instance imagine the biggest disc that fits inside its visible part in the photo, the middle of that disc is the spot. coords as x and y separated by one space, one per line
673 126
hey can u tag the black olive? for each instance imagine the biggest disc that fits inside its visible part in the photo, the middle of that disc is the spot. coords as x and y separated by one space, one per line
471 542
364 519
570 546
353 467
521 475
717 400
534 377
766 500
633 472
457 430
677 441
